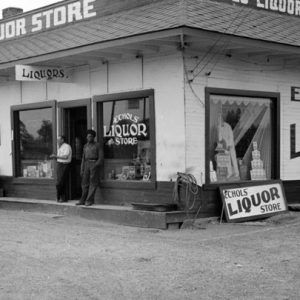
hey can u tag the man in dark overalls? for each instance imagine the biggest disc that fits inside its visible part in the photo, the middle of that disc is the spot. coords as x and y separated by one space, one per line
92 158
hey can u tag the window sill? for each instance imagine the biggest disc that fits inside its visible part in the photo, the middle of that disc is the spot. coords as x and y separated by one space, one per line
34 181
133 185
215 186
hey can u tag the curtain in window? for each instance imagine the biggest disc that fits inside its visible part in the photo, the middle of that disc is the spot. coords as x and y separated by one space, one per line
248 117
263 139
250 121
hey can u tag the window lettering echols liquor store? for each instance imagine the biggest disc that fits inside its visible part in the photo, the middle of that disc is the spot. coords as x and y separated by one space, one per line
126 134
128 137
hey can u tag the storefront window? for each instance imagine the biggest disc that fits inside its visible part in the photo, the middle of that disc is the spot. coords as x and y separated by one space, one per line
240 132
33 142
126 139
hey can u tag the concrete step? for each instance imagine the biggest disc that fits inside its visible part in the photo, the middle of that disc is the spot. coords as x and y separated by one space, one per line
294 207
122 215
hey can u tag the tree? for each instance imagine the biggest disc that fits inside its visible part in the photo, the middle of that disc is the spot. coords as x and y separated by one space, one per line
45 132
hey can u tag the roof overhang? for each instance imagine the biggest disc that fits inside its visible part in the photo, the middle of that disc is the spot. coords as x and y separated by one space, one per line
192 41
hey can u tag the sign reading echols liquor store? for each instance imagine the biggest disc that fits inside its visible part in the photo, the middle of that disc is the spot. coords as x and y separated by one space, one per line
125 130
249 201
47 19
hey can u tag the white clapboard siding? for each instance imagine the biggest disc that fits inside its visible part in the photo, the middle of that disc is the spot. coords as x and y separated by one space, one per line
179 106
165 76
163 73
241 74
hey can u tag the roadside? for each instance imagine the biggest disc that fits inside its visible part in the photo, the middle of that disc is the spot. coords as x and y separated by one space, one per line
48 256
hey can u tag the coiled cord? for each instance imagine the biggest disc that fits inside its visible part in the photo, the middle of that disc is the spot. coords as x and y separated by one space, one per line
191 190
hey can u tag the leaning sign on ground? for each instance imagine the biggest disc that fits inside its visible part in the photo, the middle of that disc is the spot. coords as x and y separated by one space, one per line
243 202
36 73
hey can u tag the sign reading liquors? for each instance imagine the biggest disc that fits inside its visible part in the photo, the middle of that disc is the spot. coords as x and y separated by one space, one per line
125 130
251 202
35 73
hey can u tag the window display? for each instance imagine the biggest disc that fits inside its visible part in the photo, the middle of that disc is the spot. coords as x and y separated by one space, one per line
240 138
126 139
258 172
34 143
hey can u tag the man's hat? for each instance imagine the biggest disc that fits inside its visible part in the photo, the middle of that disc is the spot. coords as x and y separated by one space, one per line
92 132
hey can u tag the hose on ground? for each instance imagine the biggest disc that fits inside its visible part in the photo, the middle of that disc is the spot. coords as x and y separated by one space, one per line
189 183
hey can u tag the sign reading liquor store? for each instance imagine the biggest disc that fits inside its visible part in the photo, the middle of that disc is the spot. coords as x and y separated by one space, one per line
289 7
39 73
48 18
125 130
244 202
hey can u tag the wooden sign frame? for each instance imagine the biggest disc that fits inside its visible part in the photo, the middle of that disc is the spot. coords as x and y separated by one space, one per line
253 200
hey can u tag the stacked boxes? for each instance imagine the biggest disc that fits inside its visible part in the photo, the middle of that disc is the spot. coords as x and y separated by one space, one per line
223 161
258 172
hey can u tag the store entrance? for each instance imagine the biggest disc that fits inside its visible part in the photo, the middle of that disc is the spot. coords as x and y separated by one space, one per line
75 127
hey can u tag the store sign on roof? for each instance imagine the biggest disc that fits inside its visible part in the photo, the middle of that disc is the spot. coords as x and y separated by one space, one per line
290 7
48 19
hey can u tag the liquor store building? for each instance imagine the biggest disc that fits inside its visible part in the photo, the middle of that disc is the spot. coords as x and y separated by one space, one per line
200 87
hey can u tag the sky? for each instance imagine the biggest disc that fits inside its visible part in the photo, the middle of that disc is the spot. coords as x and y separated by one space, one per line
26 5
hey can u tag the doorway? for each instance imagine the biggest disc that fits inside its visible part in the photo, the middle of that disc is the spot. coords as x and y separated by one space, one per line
74 124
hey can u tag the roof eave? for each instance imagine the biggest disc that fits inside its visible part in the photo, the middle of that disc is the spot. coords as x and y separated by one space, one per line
178 32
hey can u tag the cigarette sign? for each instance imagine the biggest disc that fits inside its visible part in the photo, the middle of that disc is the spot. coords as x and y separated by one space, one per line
253 201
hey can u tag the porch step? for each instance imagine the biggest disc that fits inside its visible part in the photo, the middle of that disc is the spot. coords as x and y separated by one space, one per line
294 207
122 215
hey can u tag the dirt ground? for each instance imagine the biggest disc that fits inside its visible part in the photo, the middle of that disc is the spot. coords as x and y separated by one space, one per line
46 256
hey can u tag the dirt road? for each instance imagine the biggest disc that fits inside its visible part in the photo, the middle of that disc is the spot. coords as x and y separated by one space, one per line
46 256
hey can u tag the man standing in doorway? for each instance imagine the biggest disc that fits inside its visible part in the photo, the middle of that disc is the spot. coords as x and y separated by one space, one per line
64 158
90 165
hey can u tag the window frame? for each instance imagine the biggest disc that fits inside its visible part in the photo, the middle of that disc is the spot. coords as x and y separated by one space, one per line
73 104
15 109
275 127
98 124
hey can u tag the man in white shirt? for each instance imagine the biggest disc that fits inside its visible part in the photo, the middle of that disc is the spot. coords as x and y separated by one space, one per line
64 158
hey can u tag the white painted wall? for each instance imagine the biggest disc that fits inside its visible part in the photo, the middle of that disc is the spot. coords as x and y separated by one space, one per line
163 74
244 74
79 88
9 95
180 111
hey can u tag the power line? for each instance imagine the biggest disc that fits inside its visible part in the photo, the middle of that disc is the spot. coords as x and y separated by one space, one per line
226 45
218 40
